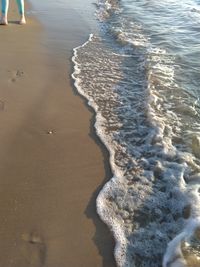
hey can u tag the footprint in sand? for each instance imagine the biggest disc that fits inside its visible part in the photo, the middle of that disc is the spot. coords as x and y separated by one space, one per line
2 105
17 74
34 250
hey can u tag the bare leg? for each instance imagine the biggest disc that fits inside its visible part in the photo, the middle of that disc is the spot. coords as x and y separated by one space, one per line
4 11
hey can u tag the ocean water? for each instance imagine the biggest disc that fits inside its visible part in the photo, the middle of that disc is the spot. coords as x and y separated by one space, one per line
141 74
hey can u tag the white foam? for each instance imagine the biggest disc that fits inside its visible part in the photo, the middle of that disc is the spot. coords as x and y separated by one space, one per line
117 186
174 256
102 207
106 8
151 177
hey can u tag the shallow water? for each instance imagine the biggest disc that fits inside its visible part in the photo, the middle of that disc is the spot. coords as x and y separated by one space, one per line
141 75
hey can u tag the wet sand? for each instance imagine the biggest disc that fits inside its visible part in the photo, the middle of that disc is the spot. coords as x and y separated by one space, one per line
52 165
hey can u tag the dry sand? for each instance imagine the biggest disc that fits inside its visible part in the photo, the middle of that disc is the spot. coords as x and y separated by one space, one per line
51 167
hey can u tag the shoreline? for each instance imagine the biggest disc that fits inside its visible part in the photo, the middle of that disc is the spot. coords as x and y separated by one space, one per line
48 212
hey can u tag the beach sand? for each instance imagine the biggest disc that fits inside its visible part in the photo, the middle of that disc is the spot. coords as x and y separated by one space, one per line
52 165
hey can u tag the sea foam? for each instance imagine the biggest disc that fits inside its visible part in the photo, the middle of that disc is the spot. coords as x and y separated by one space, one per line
151 204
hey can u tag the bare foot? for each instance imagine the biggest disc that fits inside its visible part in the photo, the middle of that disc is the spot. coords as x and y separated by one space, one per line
4 21
22 20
